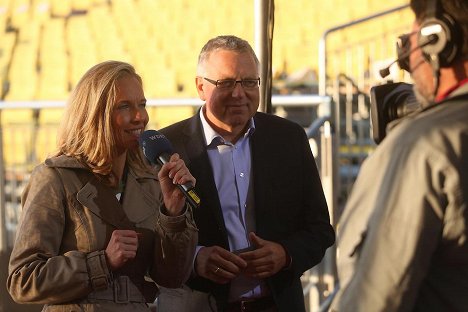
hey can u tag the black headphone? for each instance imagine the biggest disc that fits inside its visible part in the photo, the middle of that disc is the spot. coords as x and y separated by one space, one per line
439 36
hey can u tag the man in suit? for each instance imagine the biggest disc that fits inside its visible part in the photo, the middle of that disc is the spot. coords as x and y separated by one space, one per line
263 218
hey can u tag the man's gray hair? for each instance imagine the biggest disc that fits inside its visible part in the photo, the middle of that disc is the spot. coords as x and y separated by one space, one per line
228 42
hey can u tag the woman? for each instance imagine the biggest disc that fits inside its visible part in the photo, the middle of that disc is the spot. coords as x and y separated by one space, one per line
96 225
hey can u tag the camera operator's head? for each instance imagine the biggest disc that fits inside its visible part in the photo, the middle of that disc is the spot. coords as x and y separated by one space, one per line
440 43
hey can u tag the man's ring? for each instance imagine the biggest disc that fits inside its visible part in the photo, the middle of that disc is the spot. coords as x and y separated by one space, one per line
217 269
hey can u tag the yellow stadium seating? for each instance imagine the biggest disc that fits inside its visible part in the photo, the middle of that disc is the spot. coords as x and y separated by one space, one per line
53 82
60 8
162 38
17 129
47 45
45 140
40 10
81 5
3 13
81 47
6 48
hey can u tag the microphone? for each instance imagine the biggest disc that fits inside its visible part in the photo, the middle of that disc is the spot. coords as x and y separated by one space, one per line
157 149
402 59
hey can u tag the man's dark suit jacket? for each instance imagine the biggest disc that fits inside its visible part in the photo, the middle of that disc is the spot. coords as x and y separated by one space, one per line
290 206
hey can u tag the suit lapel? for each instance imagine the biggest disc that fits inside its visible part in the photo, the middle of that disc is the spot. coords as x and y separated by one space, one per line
195 148
262 171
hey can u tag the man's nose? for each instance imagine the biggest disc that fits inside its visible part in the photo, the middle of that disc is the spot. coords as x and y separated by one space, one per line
238 89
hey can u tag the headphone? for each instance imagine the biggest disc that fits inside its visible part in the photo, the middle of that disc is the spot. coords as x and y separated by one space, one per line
439 36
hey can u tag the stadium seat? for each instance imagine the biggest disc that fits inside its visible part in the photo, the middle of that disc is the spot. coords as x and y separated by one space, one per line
17 127
19 13
53 62
80 5
3 15
22 74
41 10
6 49
81 47
48 121
60 8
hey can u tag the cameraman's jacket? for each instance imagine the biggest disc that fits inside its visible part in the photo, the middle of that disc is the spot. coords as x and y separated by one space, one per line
67 220
403 236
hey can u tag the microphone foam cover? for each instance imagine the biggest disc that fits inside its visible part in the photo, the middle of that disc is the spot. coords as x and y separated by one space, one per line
154 144
384 72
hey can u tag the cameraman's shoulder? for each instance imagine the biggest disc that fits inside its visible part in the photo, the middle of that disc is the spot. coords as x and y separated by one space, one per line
430 132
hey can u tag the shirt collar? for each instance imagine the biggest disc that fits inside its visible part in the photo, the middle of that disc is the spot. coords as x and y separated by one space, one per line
211 135
452 89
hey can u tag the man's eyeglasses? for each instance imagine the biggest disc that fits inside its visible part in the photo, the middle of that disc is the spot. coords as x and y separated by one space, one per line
229 84
404 48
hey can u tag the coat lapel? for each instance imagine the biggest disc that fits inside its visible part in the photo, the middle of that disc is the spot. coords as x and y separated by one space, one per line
101 201
136 195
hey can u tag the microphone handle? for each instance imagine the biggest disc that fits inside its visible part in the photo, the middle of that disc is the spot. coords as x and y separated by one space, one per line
187 188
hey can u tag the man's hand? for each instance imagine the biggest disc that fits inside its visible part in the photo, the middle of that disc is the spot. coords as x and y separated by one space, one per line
266 260
122 247
218 265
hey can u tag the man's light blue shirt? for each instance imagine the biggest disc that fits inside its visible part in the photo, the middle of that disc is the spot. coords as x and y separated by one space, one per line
231 164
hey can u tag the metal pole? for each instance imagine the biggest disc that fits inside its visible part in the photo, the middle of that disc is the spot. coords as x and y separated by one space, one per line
262 49
3 233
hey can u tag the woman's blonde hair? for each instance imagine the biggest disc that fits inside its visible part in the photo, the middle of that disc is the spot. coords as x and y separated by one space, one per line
86 130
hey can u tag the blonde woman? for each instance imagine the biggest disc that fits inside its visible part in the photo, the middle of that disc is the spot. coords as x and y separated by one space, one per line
99 227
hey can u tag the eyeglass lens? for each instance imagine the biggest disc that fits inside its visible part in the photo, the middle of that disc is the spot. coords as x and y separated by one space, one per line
403 46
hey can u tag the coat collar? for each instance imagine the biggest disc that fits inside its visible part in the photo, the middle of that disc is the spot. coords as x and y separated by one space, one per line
64 161
139 200
69 162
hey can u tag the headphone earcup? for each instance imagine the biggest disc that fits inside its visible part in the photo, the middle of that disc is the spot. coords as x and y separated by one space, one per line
447 45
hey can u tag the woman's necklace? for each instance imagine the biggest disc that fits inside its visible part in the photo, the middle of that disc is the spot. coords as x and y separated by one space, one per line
119 191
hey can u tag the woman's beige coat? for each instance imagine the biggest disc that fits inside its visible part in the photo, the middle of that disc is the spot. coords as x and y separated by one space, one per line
67 220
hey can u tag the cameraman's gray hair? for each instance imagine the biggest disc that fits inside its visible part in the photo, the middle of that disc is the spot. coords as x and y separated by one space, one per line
227 42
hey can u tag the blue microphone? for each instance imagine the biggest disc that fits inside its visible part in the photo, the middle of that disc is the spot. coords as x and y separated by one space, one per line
158 150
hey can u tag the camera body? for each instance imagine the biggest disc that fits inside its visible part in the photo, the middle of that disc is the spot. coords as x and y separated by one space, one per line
389 102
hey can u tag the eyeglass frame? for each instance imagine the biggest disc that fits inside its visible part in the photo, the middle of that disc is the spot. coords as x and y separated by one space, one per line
403 47
216 83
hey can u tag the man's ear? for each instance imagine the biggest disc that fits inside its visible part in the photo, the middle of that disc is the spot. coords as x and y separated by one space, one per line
199 84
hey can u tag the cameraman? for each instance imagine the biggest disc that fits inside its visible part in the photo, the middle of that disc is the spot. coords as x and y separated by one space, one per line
403 236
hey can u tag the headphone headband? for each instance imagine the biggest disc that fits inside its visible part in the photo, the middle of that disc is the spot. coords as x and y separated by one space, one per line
431 10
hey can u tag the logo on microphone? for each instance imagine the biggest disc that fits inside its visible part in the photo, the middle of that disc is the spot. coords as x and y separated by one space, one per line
156 137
